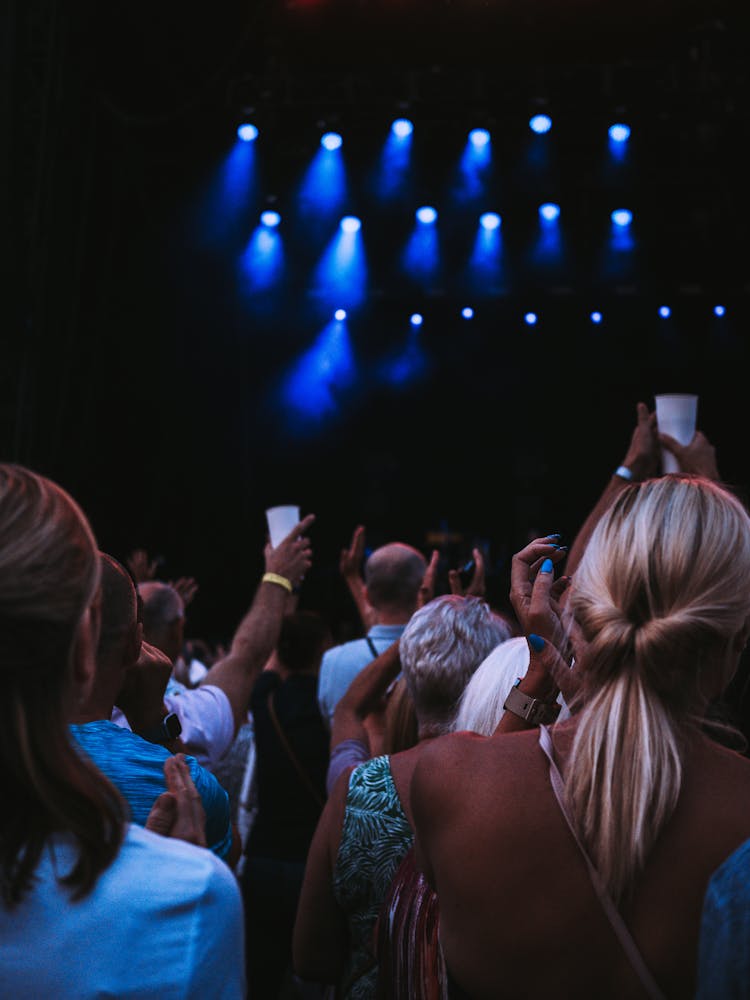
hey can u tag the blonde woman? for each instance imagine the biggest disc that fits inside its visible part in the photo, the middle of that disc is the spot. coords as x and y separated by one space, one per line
577 865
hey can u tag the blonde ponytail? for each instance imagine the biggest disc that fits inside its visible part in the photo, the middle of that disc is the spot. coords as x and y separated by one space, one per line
660 596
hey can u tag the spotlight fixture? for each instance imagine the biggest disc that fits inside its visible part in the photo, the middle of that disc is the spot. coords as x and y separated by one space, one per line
719 310
331 141
622 217
530 318
467 312
402 128
479 137
490 220
540 124
270 219
247 132
619 132
340 315
596 317
550 212
665 312
416 319
427 215
350 224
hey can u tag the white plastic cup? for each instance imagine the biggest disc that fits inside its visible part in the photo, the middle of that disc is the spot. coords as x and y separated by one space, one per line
676 415
281 520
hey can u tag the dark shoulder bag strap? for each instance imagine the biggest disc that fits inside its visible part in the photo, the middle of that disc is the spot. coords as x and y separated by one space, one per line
304 777
373 648
618 924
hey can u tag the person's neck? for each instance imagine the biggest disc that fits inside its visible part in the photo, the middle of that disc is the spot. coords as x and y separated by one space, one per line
393 617
91 712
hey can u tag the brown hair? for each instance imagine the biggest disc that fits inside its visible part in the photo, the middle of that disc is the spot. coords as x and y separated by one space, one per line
49 576
661 596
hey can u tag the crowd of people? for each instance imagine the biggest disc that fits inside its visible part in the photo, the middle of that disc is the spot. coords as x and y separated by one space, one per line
459 803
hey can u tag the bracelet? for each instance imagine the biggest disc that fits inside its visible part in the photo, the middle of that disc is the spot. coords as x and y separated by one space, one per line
280 580
533 710
623 472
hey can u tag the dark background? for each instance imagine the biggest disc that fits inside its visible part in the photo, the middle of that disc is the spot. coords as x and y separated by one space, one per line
138 376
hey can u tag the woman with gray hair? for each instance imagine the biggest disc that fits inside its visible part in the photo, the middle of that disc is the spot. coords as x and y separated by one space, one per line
366 828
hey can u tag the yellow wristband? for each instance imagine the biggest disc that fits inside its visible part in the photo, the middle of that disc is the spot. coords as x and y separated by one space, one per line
280 580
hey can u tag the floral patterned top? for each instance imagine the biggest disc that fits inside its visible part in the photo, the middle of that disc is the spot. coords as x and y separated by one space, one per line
375 838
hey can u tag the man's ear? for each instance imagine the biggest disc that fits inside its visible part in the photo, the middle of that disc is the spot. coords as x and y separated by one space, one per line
84 653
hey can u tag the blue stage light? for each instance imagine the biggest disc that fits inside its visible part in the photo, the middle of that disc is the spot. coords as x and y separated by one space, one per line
331 141
340 315
619 132
490 220
719 310
416 319
351 224
530 318
622 217
665 312
270 219
550 212
402 128
479 137
467 312
540 124
596 317
247 132
427 214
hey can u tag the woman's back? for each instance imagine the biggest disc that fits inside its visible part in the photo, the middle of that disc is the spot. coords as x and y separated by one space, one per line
519 915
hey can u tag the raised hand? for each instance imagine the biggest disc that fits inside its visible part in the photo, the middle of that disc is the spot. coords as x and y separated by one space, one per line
427 590
539 614
643 456
351 559
186 587
697 458
141 567
292 557
178 812
476 586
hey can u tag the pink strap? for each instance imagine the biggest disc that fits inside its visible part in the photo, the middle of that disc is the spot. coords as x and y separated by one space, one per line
618 924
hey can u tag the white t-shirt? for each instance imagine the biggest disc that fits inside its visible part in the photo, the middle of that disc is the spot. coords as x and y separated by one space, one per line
164 920
206 718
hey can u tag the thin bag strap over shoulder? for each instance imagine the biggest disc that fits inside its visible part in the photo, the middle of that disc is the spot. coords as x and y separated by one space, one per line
618 924
373 648
304 777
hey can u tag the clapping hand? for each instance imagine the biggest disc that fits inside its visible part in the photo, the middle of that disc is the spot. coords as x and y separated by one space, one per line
178 812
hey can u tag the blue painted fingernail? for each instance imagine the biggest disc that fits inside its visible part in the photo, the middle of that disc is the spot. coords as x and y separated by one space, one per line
536 642
555 534
547 566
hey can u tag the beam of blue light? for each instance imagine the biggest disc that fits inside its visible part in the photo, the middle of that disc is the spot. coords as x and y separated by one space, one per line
619 132
247 132
622 217
223 207
421 256
341 275
486 259
665 312
427 215
474 167
311 391
530 319
408 364
331 141
270 218
402 128
262 263
618 136
719 311
596 317
467 312
392 171
324 188
548 248
540 124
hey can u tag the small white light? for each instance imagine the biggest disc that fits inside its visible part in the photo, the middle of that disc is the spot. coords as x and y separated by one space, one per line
340 315
416 319
331 141
247 132
530 318
540 124
719 310
402 128
427 215
596 317
549 211
270 219
665 312
490 220
351 224
467 312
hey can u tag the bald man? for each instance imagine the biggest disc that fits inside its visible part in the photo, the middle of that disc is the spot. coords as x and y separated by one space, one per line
393 576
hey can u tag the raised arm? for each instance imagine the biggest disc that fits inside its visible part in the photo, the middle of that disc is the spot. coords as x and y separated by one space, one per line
350 567
258 632
641 462
363 696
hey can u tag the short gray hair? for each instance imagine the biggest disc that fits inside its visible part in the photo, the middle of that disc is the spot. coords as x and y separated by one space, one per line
162 605
393 576
441 647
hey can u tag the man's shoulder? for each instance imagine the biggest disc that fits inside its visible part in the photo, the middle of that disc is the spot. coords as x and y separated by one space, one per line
354 649
104 736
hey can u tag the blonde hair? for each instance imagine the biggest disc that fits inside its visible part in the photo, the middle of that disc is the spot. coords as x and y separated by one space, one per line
49 576
660 596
